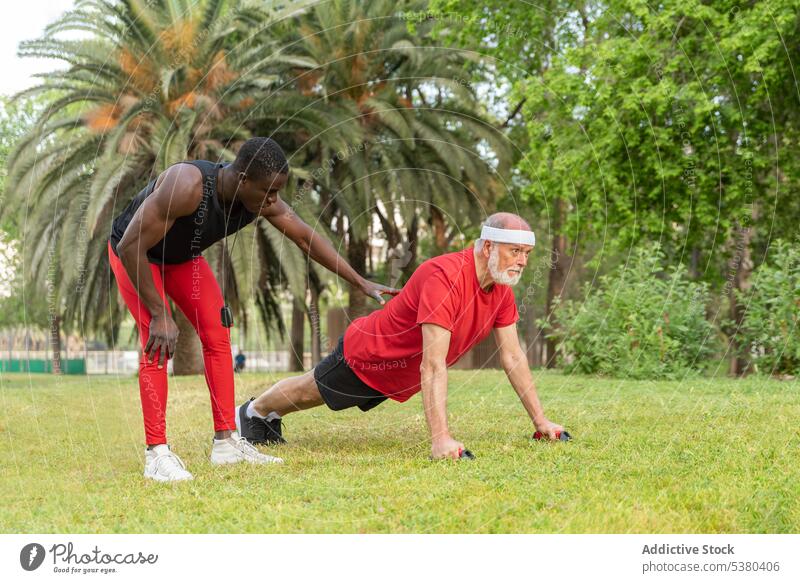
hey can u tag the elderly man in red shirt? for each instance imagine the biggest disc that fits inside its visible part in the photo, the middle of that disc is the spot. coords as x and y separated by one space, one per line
449 305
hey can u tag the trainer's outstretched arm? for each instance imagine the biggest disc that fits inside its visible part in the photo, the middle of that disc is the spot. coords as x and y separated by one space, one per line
433 381
515 363
283 218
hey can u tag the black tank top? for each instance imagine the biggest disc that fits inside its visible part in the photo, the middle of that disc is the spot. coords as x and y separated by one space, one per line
189 235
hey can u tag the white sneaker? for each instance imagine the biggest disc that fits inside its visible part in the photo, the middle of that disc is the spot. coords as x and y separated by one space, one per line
237 449
161 465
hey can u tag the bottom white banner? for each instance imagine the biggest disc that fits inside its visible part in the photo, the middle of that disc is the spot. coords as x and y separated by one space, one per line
396 558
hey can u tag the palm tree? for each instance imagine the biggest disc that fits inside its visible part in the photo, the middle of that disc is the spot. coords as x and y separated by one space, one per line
414 131
161 81
154 83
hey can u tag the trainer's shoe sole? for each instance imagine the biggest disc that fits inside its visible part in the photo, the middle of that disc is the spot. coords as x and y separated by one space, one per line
163 480
223 461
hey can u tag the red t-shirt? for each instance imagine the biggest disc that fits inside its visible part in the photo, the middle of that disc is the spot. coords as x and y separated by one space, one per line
384 349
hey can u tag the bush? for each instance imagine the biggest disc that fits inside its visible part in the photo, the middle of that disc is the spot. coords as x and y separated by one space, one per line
639 323
769 334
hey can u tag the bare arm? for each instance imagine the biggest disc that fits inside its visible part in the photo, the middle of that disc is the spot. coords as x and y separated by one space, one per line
178 192
283 218
515 363
433 373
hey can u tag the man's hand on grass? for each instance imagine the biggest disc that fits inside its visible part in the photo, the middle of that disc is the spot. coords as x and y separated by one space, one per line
446 447
550 429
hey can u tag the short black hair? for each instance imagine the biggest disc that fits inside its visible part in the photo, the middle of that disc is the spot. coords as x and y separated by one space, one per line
261 157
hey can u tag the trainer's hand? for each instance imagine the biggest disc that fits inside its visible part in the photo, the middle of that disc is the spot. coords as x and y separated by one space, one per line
549 428
376 290
162 339
446 447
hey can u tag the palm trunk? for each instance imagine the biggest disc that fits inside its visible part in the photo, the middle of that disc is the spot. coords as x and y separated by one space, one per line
188 359
316 328
413 241
55 343
357 256
439 229
559 267
296 337
389 229
741 266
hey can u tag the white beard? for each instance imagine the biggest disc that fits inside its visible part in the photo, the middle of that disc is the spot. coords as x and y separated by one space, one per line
501 277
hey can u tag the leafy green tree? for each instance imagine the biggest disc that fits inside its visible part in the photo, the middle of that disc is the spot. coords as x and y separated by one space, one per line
664 122
18 306
664 125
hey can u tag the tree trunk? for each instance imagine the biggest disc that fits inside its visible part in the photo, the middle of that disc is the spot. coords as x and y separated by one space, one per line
559 267
389 229
533 347
694 263
411 253
296 337
188 359
370 265
741 267
357 256
439 229
316 328
55 343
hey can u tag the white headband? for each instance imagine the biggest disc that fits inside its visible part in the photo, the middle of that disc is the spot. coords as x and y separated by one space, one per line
508 236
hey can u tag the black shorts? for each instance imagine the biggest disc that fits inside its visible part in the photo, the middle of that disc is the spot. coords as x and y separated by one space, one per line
340 387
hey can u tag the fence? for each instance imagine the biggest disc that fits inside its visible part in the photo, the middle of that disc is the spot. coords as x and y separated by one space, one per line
39 365
126 362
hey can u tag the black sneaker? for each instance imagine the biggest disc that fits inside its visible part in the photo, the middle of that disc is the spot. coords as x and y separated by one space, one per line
252 429
274 432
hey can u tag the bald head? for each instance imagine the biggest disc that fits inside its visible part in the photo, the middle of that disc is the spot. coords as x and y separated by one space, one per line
507 221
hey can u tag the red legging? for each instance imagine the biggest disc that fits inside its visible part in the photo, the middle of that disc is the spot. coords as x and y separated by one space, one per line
193 288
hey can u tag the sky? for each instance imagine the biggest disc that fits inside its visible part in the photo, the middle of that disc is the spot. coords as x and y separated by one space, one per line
30 18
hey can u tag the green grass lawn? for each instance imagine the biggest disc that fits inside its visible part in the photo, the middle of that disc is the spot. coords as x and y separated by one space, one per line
707 455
